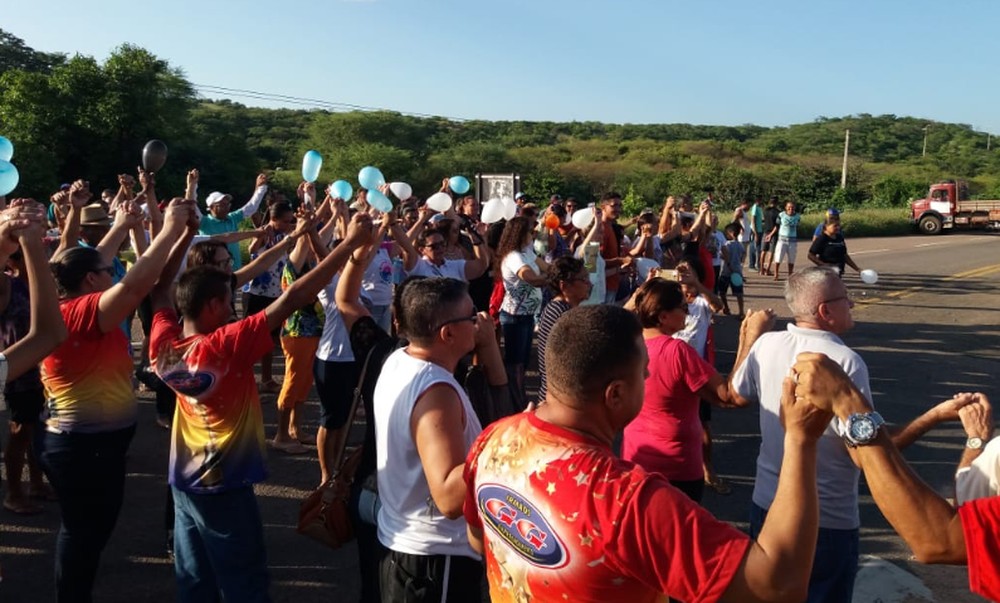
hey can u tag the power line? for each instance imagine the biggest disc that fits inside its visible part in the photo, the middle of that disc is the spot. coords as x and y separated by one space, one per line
298 100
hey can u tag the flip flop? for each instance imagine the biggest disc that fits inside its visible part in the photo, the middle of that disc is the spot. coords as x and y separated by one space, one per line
308 440
294 447
720 486
22 508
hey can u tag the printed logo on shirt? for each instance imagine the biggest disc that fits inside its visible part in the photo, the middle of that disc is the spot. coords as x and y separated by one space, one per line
189 384
521 526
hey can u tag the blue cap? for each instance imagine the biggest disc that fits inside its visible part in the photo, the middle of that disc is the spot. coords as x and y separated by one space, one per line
832 212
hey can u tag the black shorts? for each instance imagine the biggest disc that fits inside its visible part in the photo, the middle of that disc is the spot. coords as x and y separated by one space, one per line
705 411
26 406
335 383
431 578
253 304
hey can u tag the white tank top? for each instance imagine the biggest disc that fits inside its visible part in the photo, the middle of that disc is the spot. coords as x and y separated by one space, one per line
409 522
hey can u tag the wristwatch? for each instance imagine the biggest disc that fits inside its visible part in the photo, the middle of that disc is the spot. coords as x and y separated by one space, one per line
862 428
975 443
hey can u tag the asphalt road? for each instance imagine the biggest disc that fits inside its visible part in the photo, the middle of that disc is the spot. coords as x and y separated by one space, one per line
928 328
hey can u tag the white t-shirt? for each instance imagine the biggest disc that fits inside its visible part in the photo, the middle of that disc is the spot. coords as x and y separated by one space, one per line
759 380
720 240
449 269
982 478
409 522
695 331
519 297
376 284
335 342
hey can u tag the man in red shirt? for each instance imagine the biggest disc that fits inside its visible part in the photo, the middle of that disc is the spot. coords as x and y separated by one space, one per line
559 517
936 531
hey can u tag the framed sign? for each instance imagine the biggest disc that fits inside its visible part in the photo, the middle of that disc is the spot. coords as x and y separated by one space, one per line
497 186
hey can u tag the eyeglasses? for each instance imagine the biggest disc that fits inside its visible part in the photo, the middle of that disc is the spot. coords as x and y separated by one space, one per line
834 299
435 246
226 263
473 319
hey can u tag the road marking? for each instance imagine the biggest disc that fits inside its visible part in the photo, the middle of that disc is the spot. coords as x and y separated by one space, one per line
870 251
931 244
902 293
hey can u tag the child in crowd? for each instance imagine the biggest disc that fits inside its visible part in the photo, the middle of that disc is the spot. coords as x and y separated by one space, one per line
732 268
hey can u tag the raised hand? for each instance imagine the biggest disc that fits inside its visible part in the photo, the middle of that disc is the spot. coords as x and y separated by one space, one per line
176 215
261 180
147 180
192 177
359 230
824 384
799 417
79 194
977 416
949 410
20 217
758 322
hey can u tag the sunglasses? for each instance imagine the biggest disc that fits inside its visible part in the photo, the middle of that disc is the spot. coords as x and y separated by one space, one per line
435 246
473 319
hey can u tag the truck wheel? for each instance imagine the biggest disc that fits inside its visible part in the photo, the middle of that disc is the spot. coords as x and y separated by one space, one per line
930 225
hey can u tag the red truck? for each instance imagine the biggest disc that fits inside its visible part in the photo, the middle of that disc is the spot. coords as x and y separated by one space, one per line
948 206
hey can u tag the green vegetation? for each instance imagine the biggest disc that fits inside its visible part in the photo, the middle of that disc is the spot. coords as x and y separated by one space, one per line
75 116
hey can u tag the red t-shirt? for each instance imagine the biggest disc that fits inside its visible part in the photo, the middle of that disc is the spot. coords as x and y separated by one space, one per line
666 436
981 526
217 441
563 519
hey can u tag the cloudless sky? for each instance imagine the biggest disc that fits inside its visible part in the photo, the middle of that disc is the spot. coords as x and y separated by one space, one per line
766 62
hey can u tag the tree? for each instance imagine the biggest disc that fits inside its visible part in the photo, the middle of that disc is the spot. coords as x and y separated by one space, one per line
16 55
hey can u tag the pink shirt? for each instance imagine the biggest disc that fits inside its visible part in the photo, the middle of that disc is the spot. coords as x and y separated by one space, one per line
666 436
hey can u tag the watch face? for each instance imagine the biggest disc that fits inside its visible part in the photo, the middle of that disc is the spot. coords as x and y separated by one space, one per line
862 429
974 443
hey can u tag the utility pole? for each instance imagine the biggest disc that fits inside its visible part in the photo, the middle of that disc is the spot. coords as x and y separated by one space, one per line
843 170
924 154
988 140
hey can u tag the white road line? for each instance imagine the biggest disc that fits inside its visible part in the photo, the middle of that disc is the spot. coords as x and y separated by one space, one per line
930 244
870 251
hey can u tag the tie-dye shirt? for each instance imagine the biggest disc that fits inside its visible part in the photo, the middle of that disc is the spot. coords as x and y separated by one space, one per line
88 378
217 442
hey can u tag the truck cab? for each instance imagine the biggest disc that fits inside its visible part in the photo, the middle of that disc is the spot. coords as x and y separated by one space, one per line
947 206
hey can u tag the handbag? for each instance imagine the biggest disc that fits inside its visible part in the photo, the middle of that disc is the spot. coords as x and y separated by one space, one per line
325 514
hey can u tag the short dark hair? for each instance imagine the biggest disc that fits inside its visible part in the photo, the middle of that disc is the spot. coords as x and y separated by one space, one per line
734 228
427 234
198 286
610 196
655 296
203 253
71 266
424 302
279 209
588 348
562 270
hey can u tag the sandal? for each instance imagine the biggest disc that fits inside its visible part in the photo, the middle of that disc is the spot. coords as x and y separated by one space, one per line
293 448
21 507
719 485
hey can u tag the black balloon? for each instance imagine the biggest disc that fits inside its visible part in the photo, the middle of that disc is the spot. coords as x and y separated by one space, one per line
154 155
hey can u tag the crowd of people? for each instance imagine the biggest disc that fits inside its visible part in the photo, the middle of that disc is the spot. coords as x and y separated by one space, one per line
587 488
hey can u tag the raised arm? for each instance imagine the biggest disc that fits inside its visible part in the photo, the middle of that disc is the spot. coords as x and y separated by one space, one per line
755 324
161 294
925 520
476 267
127 217
260 264
25 220
305 289
79 196
778 564
348 294
121 299
147 180
251 206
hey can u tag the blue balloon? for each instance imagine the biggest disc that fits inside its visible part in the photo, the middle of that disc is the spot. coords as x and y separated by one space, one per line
312 161
458 184
6 149
370 178
8 177
379 201
341 189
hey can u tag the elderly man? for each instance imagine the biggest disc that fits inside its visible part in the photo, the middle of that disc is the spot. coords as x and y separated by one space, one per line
220 219
936 531
822 309
560 517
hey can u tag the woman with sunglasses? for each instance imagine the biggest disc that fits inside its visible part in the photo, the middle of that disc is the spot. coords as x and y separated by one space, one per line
91 405
666 436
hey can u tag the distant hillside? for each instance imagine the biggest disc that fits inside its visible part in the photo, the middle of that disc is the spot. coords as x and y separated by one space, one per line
71 117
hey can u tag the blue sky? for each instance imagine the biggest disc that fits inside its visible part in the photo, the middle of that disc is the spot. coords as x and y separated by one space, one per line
697 61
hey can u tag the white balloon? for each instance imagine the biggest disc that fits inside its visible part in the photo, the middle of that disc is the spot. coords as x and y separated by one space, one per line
643 266
583 217
492 211
439 202
401 190
869 276
509 208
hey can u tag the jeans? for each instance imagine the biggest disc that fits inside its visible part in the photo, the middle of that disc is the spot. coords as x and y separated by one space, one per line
517 332
87 472
835 565
219 547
